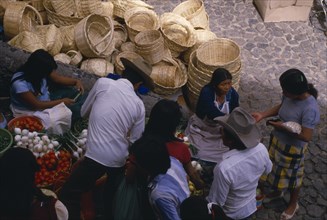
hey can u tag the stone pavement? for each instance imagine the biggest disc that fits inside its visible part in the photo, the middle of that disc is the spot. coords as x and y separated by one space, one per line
267 50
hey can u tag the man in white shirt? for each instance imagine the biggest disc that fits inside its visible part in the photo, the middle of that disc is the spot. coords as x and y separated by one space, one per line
116 119
236 177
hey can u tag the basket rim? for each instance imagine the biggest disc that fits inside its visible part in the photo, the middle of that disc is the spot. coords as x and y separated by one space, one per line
3 130
12 121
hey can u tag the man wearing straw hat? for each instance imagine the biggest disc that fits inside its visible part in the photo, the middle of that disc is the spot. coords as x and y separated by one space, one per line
236 177
116 119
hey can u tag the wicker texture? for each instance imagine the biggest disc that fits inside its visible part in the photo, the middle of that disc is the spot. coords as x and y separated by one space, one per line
94 36
150 45
64 7
128 46
62 57
37 4
108 9
140 19
220 52
20 16
68 38
194 12
57 19
120 34
120 6
178 33
51 37
27 41
75 56
87 7
119 67
97 66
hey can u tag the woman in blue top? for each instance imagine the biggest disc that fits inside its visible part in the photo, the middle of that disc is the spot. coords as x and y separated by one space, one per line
287 148
217 98
29 88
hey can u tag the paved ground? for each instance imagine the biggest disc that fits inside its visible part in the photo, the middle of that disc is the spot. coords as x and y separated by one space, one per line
267 50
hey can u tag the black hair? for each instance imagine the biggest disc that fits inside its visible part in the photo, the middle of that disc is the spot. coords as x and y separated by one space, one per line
131 76
294 82
17 188
151 154
238 144
164 118
38 66
195 208
220 75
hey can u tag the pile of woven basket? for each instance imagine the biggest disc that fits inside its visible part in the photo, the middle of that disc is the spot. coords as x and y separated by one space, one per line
93 35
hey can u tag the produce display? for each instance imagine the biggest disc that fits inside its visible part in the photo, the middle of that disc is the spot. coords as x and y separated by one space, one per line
30 123
6 140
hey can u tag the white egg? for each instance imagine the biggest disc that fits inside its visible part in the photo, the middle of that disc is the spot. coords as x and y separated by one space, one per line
18 137
25 132
24 139
18 131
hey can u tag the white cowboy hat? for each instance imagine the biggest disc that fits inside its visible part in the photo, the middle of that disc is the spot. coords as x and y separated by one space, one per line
241 125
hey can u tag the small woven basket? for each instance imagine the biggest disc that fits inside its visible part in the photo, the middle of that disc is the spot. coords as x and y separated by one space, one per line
38 5
75 56
220 52
27 41
140 19
19 16
57 19
62 57
169 76
194 12
178 33
68 38
120 34
97 66
94 36
87 7
119 67
120 6
64 7
150 45
51 37
128 46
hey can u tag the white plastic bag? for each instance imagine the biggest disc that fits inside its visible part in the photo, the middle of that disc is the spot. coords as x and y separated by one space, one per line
293 127
56 120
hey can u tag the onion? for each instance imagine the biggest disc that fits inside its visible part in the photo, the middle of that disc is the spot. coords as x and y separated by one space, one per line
18 137
24 139
18 131
25 132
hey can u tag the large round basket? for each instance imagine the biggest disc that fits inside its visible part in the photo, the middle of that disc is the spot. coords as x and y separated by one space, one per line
87 7
98 66
28 41
51 37
19 16
119 67
220 52
120 6
68 38
94 36
140 19
194 12
63 58
64 7
169 76
150 45
178 33
38 5
6 140
57 19
127 46
29 122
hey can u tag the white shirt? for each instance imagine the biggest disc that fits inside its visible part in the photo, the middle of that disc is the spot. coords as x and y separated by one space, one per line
236 179
116 119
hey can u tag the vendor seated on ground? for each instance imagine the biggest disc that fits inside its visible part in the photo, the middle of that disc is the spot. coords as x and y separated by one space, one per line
218 98
20 198
30 95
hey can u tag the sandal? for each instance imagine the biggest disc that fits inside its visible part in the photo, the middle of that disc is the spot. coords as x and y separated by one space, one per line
285 216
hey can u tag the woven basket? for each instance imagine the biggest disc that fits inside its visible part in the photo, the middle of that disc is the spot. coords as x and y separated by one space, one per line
62 57
75 56
68 38
64 7
120 34
140 19
169 76
87 7
107 9
178 33
119 67
44 17
20 16
202 36
38 5
220 52
194 12
97 66
128 46
27 40
150 45
3 6
94 36
51 37
57 19
120 6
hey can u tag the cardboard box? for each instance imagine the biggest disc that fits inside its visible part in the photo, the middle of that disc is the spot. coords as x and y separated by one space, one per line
284 10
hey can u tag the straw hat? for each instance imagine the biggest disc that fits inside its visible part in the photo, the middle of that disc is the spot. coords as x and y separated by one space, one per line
139 66
241 125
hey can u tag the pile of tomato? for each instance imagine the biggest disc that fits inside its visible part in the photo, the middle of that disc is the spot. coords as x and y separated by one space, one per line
53 168
30 123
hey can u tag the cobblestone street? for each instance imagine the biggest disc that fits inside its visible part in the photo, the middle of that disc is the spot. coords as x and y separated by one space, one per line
267 50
